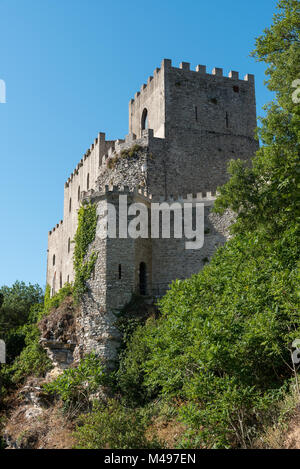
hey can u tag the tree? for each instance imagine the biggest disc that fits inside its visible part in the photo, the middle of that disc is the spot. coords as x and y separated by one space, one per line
267 195
16 304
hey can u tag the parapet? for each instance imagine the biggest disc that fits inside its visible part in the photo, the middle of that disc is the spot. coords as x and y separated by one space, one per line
58 225
166 64
97 141
141 192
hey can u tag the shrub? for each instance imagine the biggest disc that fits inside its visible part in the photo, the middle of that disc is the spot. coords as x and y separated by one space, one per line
76 385
33 359
114 426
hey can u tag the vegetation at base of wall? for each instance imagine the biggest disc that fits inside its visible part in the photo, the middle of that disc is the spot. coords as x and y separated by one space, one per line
132 152
85 235
112 425
75 386
19 312
22 308
53 302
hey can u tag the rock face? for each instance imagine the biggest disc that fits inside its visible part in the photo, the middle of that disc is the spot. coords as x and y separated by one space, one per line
36 423
58 334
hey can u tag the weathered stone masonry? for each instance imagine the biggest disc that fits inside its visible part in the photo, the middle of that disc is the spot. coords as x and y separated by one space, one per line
184 127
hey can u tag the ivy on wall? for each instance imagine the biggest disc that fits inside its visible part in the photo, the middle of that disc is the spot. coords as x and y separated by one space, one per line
85 235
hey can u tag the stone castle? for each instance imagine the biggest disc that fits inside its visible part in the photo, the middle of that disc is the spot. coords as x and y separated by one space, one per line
184 127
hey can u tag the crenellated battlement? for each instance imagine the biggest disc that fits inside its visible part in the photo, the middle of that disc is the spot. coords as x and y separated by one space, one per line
186 67
100 146
57 226
141 192
184 127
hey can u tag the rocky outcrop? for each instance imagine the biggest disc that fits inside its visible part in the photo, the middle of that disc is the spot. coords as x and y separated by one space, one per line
58 334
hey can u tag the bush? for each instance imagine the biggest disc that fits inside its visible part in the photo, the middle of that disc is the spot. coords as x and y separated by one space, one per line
56 300
33 359
114 426
76 385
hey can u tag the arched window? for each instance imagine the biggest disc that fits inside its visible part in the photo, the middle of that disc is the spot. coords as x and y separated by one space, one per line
120 271
69 245
143 279
88 181
145 119
54 284
70 205
53 259
78 193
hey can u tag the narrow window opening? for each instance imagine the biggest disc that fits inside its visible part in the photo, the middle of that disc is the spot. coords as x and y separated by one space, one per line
196 113
68 278
236 89
88 182
143 278
54 284
70 205
78 195
60 280
145 119
69 245
120 271
227 120
53 259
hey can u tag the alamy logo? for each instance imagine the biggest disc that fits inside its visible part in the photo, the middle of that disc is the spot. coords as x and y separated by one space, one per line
2 351
2 92
188 221
296 353
296 93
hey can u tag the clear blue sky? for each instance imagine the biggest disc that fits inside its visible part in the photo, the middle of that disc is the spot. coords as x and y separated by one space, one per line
70 68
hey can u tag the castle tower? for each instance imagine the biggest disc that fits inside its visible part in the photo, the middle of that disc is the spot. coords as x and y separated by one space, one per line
189 125
205 119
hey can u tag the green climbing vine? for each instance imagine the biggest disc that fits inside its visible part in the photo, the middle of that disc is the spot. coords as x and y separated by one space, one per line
85 235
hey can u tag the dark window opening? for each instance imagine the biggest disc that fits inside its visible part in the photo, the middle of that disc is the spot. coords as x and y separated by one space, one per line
236 89
68 278
120 271
70 204
54 284
60 280
196 113
88 182
227 120
78 193
53 259
143 278
214 100
145 119
69 245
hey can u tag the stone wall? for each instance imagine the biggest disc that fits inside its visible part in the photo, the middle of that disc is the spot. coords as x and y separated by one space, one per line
197 123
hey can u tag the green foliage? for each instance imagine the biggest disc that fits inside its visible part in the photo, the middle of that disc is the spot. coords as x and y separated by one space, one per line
85 235
56 300
18 303
112 425
33 359
132 152
267 195
222 343
76 385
